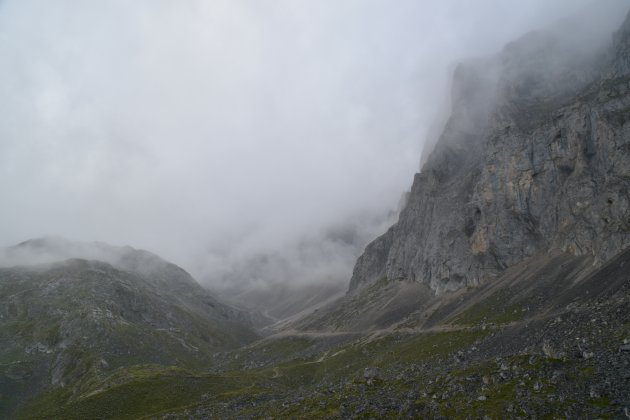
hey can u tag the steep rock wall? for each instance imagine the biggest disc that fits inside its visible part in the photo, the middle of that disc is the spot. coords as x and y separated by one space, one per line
535 156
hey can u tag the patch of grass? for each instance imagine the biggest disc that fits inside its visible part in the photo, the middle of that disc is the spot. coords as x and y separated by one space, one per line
349 361
429 345
528 375
496 404
497 308
267 352
147 390
284 348
601 402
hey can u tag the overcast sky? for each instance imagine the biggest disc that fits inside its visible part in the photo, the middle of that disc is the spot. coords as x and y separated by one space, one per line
217 132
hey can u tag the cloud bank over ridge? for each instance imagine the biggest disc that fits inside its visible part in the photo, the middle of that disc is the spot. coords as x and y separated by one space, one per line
248 141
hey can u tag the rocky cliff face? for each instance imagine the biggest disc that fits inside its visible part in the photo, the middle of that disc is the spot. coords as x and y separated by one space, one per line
535 157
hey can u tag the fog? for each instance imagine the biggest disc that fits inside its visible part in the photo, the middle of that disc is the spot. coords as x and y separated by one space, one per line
250 142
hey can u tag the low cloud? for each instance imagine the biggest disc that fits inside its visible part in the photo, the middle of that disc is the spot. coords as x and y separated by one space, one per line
251 142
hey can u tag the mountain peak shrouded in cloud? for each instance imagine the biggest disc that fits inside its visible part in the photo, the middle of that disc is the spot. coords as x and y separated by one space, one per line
220 133
53 249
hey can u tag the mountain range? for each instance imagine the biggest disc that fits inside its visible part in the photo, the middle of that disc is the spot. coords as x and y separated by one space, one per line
502 291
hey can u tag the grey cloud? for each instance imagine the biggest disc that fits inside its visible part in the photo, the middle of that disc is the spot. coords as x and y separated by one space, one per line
222 134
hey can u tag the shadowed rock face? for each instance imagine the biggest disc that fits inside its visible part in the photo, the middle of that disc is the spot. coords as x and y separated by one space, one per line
535 157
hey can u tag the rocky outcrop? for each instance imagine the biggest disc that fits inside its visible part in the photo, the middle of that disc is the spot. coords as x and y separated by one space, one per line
535 157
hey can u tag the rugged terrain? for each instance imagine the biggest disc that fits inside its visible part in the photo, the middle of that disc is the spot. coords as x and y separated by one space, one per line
534 157
503 350
503 291
66 324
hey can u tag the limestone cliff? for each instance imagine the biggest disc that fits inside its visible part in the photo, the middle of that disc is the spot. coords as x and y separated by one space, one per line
535 157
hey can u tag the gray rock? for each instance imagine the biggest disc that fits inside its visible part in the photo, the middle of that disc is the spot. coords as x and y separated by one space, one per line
370 373
531 160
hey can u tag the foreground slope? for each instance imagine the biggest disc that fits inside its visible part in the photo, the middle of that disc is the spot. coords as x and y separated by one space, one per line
504 350
67 323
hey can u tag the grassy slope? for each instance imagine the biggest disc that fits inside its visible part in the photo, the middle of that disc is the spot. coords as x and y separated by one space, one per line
74 323
414 369
486 356
147 391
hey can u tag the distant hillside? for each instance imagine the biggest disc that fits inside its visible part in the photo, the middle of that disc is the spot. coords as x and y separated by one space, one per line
71 322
